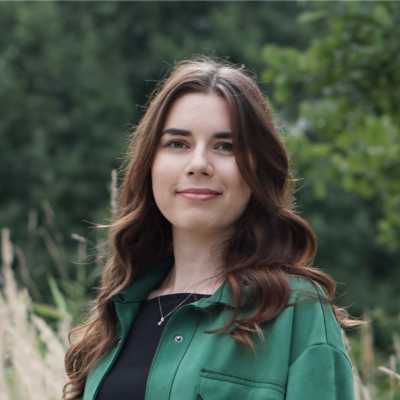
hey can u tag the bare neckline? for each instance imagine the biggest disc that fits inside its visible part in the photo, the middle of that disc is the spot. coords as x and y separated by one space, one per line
173 295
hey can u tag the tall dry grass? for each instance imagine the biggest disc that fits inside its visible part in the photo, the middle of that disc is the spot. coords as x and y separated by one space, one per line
31 353
365 384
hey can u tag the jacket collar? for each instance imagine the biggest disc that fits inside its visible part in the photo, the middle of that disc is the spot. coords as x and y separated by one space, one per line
140 288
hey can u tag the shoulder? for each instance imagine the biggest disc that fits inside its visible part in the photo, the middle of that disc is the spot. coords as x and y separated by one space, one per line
312 317
300 285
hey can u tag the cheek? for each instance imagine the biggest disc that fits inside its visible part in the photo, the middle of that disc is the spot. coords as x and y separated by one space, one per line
164 176
159 176
235 181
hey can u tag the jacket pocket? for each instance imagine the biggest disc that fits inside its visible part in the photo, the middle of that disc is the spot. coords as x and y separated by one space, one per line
214 385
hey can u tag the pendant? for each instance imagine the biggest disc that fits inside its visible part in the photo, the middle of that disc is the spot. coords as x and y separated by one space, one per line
161 321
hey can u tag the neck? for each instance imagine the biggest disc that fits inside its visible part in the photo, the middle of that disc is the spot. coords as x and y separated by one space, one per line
197 260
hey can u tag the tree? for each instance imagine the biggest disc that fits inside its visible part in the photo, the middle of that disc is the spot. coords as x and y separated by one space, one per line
340 98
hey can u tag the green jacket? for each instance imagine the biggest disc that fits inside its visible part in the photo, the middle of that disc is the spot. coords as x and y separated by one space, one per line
303 356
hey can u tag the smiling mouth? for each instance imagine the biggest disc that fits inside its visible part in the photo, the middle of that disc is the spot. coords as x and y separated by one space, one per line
199 191
199 196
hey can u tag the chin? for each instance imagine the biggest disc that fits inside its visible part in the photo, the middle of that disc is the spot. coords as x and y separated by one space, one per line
198 226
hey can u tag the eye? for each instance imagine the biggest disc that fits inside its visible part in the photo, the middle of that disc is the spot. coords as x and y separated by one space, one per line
226 146
176 144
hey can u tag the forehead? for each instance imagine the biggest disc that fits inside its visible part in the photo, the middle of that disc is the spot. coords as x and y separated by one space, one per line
194 111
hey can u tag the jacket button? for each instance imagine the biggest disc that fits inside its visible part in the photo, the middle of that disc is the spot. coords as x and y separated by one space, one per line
122 298
117 344
178 338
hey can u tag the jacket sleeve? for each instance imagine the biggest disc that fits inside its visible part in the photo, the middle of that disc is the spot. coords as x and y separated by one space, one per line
320 373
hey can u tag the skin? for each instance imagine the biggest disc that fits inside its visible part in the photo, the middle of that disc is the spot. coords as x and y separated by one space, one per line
197 159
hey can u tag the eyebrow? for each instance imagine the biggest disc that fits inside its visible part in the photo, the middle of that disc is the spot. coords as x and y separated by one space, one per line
184 132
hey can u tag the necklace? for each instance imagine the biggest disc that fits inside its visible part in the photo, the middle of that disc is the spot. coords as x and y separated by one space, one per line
159 303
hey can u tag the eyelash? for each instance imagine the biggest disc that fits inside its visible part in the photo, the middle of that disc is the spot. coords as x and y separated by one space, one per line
179 141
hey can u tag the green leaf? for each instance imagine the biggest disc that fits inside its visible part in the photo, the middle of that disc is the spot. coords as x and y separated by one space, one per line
47 311
58 297
311 16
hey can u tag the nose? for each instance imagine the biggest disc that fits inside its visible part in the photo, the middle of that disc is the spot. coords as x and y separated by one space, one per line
199 163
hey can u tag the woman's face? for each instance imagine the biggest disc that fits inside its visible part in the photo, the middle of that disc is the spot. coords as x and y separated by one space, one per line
196 182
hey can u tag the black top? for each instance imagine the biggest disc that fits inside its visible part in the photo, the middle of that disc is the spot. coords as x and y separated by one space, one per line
127 378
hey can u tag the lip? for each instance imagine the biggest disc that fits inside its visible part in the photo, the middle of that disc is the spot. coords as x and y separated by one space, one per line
199 191
199 194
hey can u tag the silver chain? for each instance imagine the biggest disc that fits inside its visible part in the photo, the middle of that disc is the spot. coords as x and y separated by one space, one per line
159 303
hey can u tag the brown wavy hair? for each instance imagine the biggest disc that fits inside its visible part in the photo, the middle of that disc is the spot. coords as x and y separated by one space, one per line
270 240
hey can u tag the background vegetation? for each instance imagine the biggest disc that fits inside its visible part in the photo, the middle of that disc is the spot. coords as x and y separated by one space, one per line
74 76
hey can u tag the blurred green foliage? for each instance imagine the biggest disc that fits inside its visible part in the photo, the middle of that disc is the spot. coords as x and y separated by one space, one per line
75 74
340 102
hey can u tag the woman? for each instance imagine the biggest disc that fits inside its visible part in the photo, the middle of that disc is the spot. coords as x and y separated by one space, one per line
209 292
